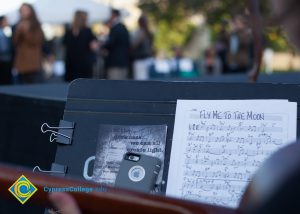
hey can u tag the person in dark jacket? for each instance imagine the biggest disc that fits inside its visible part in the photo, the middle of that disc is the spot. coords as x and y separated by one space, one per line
116 48
142 50
80 49
5 54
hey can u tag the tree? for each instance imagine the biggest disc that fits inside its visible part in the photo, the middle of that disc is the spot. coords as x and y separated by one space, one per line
214 10
171 18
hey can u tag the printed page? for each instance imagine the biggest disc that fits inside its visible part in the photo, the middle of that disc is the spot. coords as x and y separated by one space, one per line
115 140
219 144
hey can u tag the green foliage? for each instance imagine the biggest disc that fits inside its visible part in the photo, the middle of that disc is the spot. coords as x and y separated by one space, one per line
277 40
172 24
171 18
171 10
168 37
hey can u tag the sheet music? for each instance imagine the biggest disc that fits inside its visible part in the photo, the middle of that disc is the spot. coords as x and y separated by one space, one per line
219 144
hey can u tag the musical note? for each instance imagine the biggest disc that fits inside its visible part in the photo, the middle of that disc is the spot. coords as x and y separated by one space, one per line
226 141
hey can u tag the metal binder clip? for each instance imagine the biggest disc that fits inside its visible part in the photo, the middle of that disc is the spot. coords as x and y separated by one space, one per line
55 169
52 137
37 168
63 134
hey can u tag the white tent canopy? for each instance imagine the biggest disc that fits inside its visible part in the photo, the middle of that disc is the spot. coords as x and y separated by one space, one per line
62 11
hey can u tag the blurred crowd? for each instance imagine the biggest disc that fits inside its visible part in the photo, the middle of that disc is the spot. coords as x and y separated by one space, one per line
118 55
21 54
234 47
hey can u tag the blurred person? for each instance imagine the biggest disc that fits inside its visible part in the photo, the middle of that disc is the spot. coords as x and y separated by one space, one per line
268 55
175 67
142 50
28 41
182 66
221 46
161 66
80 46
64 203
5 54
240 50
211 65
116 48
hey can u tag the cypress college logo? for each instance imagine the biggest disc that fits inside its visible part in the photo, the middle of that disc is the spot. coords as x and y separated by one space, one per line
22 189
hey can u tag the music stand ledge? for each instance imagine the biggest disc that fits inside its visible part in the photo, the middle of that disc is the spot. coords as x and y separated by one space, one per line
110 201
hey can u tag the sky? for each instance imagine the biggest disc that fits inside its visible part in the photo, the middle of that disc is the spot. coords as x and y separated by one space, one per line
10 5
7 6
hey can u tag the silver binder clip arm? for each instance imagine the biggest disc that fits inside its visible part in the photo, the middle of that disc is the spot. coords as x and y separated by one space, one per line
54 134
54 127
53 137
37 168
